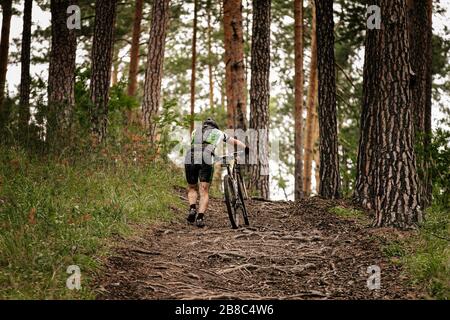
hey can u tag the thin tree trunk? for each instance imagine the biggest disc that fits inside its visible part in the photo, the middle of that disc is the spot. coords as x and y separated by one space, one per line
134 53
315 143
61 78
329 159
102 55
420 34
260 94
234 61
193 64
311 107
299 80
25 79
154 71
4 46
210 55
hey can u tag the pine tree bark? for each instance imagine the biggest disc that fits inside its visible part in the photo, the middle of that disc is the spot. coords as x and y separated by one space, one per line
311 107
25 79
299 80
102 55
154 71
420 37
193 64
61 78
234 61
329 159
134 53
260 94
4 46
387 176
364 193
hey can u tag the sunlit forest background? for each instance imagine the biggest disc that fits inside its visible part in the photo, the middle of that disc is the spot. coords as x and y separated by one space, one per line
91 120
349 48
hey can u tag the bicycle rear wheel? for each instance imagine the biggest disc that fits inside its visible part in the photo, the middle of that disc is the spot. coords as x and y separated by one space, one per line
230 200
241 186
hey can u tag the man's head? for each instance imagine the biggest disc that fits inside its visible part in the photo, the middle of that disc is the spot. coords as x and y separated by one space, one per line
210 123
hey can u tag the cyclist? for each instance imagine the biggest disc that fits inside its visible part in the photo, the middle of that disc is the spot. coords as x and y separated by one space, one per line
199 165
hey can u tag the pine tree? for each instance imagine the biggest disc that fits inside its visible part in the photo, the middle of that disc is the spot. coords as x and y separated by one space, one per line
329 158
387 178
154 71
234 62
193 63
299 80
210 53
134 53
25 79
61 76
260 94
4 46
420 39
102 55
311 107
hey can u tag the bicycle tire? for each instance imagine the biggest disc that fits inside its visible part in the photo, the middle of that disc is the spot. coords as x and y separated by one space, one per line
240 183
230 201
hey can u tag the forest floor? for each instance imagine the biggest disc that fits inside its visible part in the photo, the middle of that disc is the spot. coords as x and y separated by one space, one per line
311 249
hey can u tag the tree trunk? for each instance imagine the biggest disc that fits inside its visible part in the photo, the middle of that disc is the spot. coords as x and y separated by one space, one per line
4 46
154 72
61 75
210 55
134 53
311 107
193 64
260 94
364 192
25 79
234 61
316 145
329 159
102 55
299 79
420 37
387 177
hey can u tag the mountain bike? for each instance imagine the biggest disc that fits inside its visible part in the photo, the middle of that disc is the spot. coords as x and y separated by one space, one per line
234 190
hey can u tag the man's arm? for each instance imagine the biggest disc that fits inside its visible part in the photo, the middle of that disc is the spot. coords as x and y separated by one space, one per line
236 142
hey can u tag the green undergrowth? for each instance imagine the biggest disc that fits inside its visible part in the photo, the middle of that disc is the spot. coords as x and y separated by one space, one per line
54 214
350 213
426 255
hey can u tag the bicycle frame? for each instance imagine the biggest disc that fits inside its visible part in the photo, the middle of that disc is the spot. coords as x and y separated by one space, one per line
233 170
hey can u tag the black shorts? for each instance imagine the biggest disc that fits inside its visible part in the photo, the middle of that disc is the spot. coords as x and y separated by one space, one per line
194 172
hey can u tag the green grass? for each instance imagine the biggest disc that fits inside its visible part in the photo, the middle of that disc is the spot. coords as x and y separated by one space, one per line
425 255
53 215
428 254
349 213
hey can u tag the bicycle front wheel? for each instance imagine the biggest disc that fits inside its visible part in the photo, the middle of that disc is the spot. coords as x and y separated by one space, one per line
230 201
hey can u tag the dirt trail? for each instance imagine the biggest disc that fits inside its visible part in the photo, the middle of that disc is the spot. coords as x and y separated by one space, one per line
291 251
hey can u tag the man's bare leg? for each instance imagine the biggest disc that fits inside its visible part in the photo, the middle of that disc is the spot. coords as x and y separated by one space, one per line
204 197
192 194
204 200
192 198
